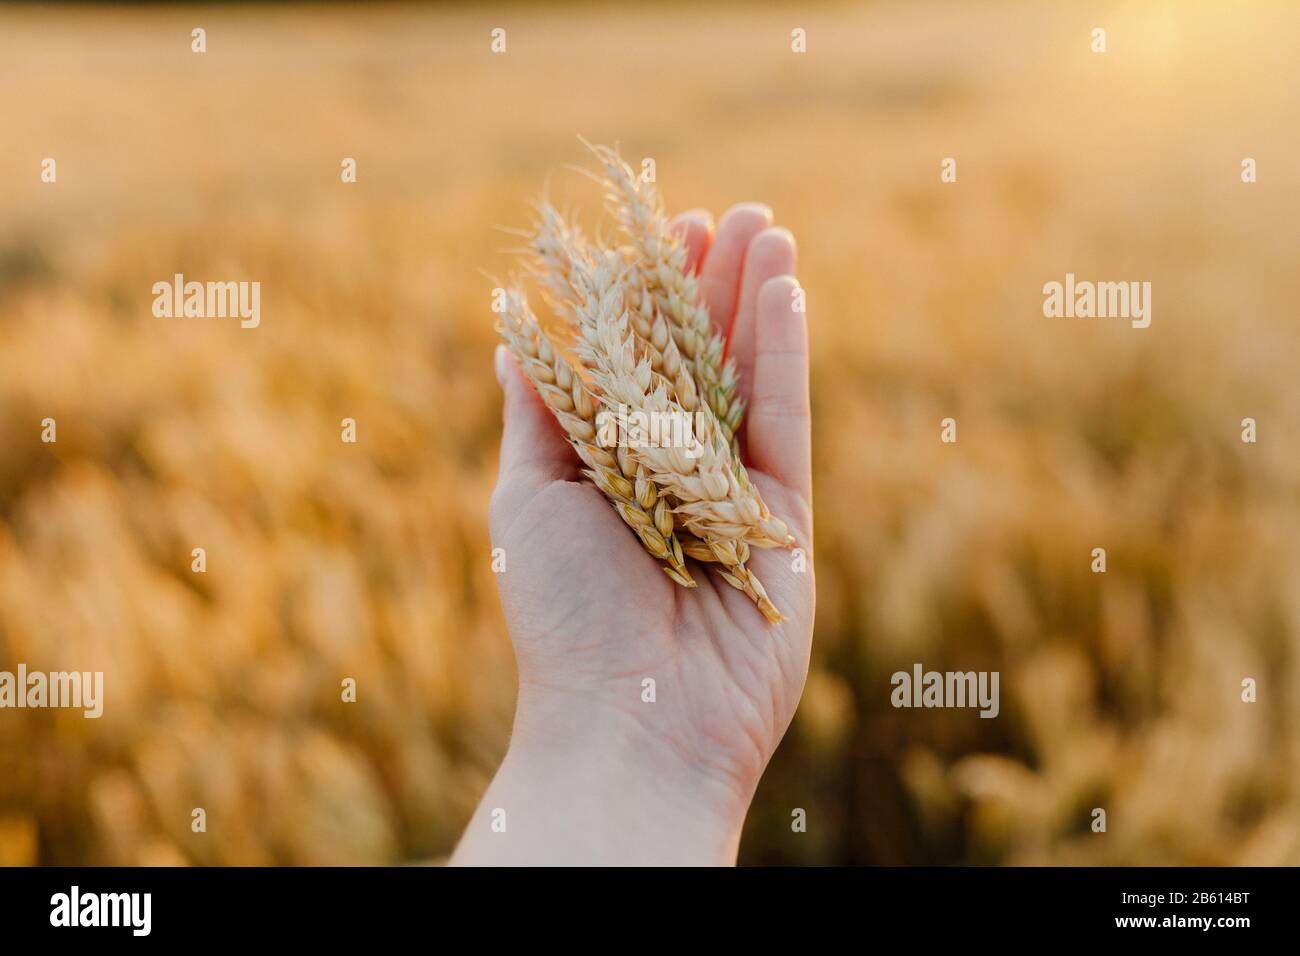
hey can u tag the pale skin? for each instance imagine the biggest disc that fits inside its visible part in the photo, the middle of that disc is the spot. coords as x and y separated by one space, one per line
594 774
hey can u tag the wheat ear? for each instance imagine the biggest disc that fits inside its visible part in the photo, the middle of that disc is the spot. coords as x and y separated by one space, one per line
555 243
661 261
591 273
710 502
563 391
559 249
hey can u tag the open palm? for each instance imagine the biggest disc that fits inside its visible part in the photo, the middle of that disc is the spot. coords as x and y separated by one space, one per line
591 616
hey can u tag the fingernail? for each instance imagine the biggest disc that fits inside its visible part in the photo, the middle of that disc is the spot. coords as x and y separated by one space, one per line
499 359
761 208
772 233
681 223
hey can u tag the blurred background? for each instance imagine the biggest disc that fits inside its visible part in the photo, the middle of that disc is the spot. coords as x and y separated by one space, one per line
326 560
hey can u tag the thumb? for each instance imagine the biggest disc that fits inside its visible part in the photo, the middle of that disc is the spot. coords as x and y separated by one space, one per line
534 450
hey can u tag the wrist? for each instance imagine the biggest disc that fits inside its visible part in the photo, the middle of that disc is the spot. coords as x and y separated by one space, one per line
586 782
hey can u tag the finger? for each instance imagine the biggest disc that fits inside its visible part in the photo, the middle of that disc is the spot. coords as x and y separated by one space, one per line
771 253
779 423
695 226
533 448
720 275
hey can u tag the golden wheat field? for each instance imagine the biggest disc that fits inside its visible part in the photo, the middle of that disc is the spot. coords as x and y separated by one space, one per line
371 560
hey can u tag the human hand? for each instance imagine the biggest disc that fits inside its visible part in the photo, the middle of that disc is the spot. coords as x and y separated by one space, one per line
595 773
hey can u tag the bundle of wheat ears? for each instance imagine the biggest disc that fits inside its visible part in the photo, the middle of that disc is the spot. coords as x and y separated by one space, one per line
630 340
